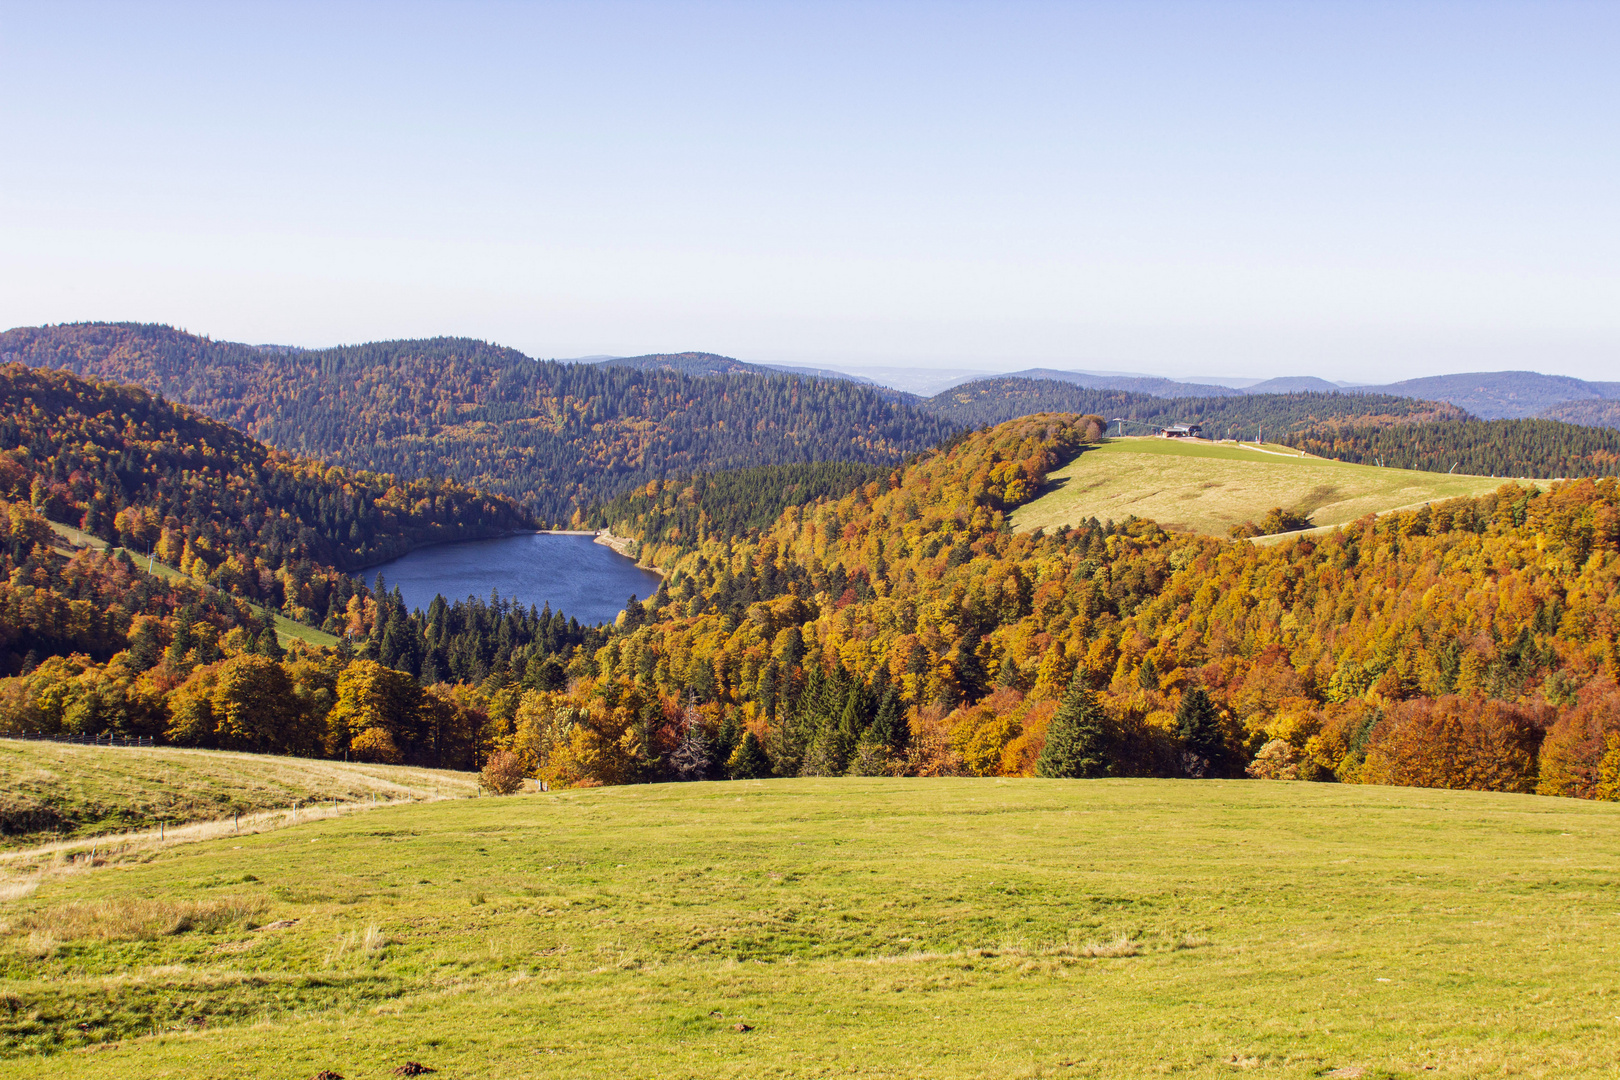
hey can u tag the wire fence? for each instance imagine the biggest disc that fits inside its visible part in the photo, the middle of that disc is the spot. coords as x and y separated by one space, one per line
80 740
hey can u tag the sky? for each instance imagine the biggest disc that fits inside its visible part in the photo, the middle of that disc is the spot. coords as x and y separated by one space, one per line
1361 191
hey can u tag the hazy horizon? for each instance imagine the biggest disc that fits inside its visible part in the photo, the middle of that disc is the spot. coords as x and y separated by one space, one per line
1361 192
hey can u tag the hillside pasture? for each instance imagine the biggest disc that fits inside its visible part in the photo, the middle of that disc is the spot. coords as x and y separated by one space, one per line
62 791
1202 487
843 927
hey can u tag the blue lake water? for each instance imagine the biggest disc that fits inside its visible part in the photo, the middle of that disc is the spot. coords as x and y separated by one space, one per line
575 575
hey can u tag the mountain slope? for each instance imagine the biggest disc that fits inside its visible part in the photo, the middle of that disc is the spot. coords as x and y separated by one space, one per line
255 523
559 437
1520 448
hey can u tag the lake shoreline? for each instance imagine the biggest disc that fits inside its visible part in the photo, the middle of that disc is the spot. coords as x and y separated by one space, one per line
605 537
583 572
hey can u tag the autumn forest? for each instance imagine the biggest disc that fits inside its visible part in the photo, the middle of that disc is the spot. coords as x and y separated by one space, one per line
843 591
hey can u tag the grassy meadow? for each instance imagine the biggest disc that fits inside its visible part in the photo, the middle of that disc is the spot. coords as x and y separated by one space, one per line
1207 487
843 927
60 791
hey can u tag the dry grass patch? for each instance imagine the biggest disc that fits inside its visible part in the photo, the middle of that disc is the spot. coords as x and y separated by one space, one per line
17 890
134 919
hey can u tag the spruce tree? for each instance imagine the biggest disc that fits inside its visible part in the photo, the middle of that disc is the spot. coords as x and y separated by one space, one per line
748 761
730 737
1077 738
1148 677
1198 726
268 644
1008 676
889 729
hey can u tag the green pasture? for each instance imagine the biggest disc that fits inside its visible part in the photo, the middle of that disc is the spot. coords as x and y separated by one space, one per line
843 927
62 791
1209 487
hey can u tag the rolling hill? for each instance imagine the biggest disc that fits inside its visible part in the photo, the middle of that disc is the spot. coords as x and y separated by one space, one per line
702 363
1203 488
1489 395
1132 384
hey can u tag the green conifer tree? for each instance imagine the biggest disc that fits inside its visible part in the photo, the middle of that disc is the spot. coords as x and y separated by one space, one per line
748 761
1148 677
1077 739
1198 726
268 644
889 726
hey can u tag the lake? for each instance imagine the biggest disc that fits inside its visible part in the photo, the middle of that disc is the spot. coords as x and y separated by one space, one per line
575 575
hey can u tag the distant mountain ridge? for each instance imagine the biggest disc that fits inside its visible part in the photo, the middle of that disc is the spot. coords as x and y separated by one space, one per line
1503 395
1590 413
1131 384
705 363
1489 395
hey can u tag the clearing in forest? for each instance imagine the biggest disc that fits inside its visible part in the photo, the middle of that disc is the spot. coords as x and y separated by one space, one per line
875 927
1201 487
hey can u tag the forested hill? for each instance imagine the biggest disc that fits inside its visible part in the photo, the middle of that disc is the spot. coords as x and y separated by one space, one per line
1517 448
135 470
690 510
904 628
557 437
994 401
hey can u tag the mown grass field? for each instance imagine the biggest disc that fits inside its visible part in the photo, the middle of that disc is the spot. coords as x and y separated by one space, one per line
51 791
1207 488
871 928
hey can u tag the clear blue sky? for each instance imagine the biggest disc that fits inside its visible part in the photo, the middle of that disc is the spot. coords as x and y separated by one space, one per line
1364 191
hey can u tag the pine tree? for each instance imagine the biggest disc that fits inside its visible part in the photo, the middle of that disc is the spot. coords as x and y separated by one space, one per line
1077 739
645 762
1198 726
691 758
748 761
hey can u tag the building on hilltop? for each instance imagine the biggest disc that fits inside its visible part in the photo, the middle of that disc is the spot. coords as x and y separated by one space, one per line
1182 431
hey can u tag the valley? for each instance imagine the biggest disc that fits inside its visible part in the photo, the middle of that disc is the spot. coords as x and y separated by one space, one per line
1003 732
